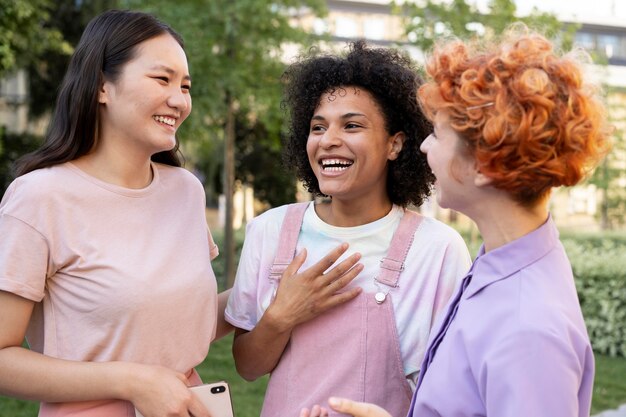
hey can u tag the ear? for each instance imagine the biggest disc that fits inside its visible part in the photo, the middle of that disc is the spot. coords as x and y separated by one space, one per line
397 142
104 92
480 179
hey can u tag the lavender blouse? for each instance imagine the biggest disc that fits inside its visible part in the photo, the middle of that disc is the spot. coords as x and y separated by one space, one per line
513 341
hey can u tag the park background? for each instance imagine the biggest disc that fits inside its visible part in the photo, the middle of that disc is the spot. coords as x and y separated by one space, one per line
237 50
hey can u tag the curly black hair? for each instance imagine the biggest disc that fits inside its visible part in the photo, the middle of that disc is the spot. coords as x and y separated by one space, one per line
392 79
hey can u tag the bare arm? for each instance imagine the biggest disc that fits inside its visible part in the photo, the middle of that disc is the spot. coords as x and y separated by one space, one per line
223 327
299 298
155 390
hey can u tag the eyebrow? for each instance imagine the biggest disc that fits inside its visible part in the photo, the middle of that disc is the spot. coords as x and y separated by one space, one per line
345 116
168 70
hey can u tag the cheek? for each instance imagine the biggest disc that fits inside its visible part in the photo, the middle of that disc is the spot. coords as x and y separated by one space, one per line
311 147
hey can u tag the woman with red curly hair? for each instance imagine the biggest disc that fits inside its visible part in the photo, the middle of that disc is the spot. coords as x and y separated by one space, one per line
511 121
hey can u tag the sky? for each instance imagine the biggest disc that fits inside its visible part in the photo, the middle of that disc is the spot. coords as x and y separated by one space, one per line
600 11
578 9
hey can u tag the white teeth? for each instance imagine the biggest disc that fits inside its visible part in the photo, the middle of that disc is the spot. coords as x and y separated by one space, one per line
164 119
342 162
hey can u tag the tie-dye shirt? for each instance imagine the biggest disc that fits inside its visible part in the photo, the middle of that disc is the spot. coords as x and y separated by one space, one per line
437 260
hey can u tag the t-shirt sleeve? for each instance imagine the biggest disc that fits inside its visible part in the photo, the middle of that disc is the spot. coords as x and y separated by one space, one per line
24 255
533 374
242 310
213 248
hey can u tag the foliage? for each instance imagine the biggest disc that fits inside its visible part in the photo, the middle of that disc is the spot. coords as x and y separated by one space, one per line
235 50
68 18
599 266
25 33
428 20
610 176
12 146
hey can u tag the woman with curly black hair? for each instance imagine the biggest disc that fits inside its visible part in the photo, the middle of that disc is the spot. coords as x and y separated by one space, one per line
354 136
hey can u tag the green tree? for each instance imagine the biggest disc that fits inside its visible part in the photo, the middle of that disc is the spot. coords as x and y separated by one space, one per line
610 176
68 18
38 36
428 20
25 33
235 50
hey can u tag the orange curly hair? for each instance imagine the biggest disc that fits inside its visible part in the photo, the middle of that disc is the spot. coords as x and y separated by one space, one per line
528 117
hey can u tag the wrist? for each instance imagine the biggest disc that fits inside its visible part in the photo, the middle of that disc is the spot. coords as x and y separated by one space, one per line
125 380
277 321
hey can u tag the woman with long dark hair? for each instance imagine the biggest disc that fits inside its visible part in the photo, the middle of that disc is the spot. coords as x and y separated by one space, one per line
105 252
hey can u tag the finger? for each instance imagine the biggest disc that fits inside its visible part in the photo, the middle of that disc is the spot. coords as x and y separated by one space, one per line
183 378
305 413
341 281
342 268
327 261
356 409
316 411
295 264
197 409
341 298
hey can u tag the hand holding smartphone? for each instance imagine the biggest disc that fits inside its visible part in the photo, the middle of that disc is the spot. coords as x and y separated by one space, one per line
215 397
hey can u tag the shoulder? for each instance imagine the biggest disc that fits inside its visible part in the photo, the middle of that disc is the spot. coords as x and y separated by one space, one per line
177 175
36 187
438 233
268 221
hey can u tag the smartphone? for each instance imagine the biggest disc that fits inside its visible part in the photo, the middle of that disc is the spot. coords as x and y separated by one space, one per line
215 397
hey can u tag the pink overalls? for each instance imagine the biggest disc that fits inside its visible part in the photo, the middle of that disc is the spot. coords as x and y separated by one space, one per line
350 351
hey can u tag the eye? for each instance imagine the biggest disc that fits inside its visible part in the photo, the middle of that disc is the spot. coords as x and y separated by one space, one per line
186 87
317 128
162 79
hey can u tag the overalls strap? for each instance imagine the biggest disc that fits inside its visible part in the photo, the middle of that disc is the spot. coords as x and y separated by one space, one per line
289 232
390 266
393 264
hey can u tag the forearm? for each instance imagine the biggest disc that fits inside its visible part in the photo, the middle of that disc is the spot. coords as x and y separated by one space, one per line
258 351
29 375
223 327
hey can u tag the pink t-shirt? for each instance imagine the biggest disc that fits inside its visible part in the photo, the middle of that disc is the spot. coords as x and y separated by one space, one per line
117 274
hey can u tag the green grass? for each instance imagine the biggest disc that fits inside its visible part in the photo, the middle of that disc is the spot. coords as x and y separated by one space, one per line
609 389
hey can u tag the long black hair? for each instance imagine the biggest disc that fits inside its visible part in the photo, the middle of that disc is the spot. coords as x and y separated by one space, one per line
108 42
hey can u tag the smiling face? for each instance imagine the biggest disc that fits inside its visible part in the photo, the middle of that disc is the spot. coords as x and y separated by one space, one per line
142 109
452 165
349 147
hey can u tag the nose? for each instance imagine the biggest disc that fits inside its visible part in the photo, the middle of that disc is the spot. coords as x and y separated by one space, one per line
330 138
179 100
426 143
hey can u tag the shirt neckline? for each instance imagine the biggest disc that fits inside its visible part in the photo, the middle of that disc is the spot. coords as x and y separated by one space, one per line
394 215
117 189
506 260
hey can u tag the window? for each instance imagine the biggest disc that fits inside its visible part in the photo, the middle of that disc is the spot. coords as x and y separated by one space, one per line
346 28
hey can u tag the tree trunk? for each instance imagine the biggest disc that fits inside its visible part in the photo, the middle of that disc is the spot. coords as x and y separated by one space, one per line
229 184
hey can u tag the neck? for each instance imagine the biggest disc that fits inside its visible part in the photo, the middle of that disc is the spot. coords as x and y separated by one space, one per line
502 220
352 213
118 168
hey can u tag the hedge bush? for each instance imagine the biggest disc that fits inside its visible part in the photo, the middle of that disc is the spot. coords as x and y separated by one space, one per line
599 265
